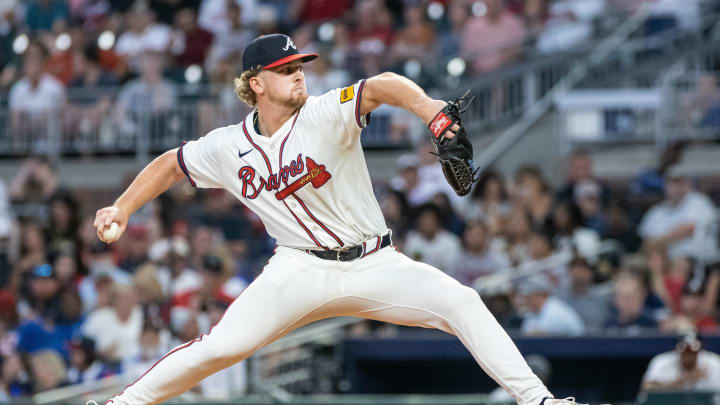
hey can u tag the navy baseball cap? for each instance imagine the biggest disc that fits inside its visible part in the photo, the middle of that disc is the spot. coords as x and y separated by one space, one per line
272 50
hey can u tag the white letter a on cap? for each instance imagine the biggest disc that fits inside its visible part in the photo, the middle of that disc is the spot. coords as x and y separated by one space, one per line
289 44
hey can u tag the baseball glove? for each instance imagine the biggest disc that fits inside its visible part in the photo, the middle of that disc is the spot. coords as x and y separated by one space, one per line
455 154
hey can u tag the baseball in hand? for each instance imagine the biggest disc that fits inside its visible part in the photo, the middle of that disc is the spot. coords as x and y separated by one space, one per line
110 234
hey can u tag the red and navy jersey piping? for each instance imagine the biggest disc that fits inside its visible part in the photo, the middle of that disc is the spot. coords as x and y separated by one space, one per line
181 163
259 149
300 222
357 107
317 221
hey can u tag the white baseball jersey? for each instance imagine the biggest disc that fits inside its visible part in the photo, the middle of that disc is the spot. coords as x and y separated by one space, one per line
308 182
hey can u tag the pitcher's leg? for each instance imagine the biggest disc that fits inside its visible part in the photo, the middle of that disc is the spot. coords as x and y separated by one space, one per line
266 310
412 293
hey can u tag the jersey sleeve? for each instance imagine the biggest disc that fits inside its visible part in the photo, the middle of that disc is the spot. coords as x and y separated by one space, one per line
200 161
340 110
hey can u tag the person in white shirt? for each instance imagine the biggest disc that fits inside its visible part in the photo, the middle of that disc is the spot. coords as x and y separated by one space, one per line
687 368
548 315
478 258
683 221
116 330
36 99
430 242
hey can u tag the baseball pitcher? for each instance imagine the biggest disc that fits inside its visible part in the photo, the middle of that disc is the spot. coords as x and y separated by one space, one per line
297 162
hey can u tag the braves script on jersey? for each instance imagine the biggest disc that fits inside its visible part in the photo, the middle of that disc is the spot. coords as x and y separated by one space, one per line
308 182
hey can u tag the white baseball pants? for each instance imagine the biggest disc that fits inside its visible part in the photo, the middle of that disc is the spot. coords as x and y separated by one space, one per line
296 288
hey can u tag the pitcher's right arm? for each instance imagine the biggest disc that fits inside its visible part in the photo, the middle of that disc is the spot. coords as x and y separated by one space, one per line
158 176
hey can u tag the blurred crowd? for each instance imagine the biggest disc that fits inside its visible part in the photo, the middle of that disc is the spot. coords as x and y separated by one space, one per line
111 65
586 257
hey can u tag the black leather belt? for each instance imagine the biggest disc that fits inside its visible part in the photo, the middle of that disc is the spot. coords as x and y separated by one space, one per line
352 253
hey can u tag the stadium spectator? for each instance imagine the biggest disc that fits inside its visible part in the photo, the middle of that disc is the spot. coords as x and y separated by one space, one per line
592 302
478 259
533 193
143 103
66 267
693 313
430 243
46 15
449 40
568 24
91 91
407 178
33 252
84 366
88 72
95 289
48 370
230 36
494 39
124 318
682 220
202 240
620 228
35 100
541 249
687 368
134 251
177 277
33 187
416 38
154 343
489 201
167 10
214 15
15 381
588 197
580 169
321 77
189 44
142 35
217 284
629 311
63 223
517 235
370 37
548 315
316 11
567 231
396 211
648 188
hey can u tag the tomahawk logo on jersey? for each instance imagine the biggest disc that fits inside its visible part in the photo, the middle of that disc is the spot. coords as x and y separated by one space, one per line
308 182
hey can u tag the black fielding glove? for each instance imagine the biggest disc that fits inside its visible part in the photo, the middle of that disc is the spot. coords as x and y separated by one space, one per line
456 154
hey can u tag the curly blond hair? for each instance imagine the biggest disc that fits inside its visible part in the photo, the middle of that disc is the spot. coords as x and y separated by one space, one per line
242 86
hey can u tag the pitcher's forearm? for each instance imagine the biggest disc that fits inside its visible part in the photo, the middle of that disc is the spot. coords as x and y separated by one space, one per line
399 91
158 176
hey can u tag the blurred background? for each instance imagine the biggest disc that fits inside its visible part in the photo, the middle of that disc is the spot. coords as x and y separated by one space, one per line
592 234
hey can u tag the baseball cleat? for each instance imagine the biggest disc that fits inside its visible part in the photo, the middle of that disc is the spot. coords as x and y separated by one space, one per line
566 401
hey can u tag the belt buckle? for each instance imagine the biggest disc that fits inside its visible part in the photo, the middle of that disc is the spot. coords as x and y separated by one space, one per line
338 255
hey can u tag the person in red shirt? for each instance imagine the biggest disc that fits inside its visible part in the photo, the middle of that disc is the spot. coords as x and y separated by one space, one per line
190 43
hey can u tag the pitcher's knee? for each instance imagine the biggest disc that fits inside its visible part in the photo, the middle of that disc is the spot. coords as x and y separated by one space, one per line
463 302
228 350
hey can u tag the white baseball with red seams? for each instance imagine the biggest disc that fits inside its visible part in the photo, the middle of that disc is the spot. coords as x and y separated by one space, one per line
309 184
